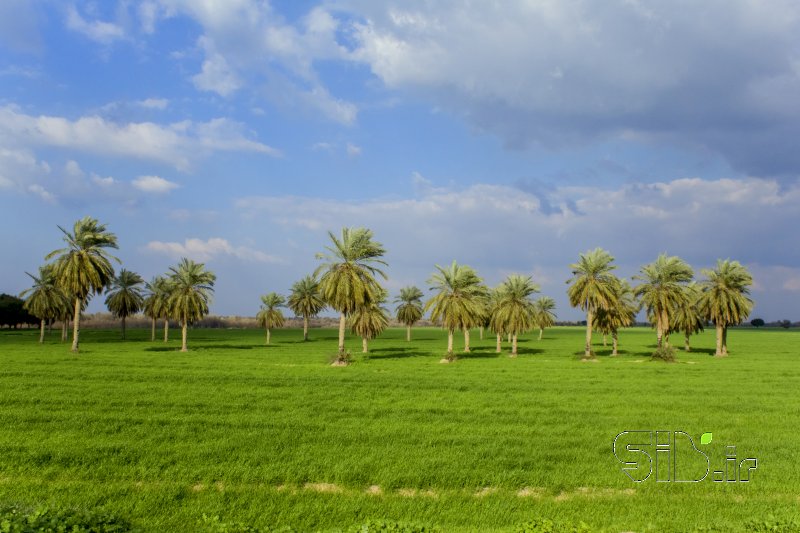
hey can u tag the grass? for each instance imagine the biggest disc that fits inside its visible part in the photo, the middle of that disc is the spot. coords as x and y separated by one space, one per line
275 437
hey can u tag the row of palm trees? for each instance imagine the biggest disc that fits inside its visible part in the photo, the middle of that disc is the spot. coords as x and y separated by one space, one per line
84 268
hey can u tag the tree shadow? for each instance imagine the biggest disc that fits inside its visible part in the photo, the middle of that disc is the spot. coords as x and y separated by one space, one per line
204 347
392 353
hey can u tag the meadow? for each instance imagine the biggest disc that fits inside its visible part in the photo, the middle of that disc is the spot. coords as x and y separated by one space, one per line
274 437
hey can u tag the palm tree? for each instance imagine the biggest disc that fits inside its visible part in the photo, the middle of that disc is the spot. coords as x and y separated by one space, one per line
592 288
191 285
459 302
515 312
620 314
663 290
368 321
409 312
305 301
44 300
124 296
723 298
84 266
686 316
544 317
270 316
490 307
348 280
155 303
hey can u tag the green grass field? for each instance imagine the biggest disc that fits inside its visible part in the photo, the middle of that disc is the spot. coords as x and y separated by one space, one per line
275 437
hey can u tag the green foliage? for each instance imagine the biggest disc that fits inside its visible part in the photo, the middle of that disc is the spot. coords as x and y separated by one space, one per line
270 316
664 353
663 289
723 298
368 321
513 310
460 297
45 299
391 526
305 299
592 284
191 286
410 310
13 313
757 322
544 312
545 525
156 302
18 519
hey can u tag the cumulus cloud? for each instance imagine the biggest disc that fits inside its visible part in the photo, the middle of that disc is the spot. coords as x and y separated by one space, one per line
154 184
153 103
96 30
176 144
207 250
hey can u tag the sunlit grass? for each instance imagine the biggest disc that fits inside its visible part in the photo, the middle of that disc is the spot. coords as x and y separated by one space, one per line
274 436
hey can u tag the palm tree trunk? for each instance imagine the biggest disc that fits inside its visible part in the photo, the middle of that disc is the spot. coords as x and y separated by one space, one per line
588 348
481 334
408 333
665 322
449 343
76 325
725 340
364 346
659 332
41 333
184 330
153 331
605 340
123 328
686 346
499 343
267 336
719 353
466 340
166 329
342 323
614 342
305 328
64 329
514 345
541 332
509 338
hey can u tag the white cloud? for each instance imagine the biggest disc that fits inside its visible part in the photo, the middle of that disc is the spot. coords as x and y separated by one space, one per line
154 103
99 31
177 144
353 150
154 184
217 76
210 249
42 193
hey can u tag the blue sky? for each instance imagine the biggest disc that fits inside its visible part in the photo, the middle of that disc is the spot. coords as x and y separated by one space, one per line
510 136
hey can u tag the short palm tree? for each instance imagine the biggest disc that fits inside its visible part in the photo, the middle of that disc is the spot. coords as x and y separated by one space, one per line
348 275
490 307
270 316
514 312
124 296
45 300
459 301
686 317
620 314
155 303
84 266
724 298
592 288
409 312
305 300
545 316
191 287
369 321
662 290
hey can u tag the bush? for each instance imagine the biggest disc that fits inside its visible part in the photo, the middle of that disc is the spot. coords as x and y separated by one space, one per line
664 353
17 519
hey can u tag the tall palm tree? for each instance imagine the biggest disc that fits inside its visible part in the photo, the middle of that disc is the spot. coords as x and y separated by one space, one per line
191 288
306 301
124 296
84 266
723 298
686 317
348 275
270 315
545 316
515 312
369 321
459 301
663 290
409 312
620 314
592 288
155 302
45 300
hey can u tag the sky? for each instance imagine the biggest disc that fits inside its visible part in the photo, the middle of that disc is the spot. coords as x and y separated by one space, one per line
511 136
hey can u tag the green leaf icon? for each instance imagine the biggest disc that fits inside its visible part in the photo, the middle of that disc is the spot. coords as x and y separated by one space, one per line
705 438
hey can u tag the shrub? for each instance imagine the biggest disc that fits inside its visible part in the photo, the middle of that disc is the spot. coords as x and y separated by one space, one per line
664 353
18 519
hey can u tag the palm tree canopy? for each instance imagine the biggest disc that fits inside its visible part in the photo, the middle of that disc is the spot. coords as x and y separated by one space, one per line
663 283
514 311
191 286
349 269
544 314
370 320
124 296
723 298
460 299
45 299
155 302
305 299
410 310
270 316
621 313
84 266
687 317
592 284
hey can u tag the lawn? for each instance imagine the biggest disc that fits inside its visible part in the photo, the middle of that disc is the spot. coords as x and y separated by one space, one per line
274 437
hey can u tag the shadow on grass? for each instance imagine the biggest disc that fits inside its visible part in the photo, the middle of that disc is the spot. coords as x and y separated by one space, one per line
203 347
393 353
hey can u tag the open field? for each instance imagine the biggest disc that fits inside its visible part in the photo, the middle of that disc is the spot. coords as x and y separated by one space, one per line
275 437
